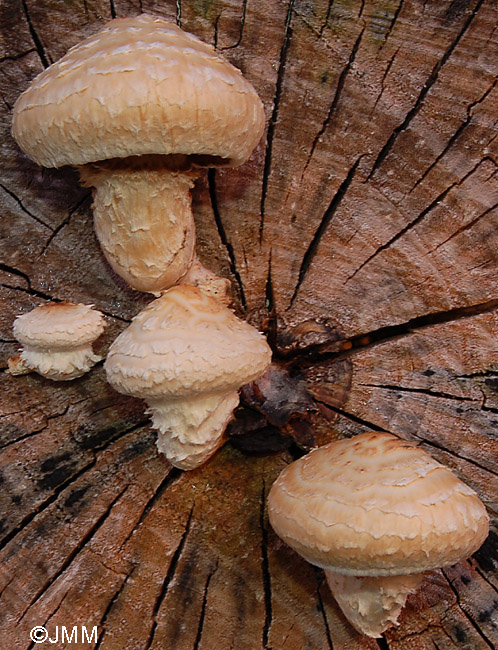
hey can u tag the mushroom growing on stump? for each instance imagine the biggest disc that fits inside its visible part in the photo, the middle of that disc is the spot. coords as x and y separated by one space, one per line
187 355
375 512
137 108
57 340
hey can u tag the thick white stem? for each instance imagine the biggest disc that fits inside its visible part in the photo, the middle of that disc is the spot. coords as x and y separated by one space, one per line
192 429
144 223
372 604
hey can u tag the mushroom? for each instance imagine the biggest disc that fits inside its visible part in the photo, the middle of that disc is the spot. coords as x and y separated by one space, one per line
375 512
57 340
210 283
187 355
137 108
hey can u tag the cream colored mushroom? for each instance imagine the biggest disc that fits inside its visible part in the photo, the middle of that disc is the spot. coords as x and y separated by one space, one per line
137 108
187 355
57 340
375 512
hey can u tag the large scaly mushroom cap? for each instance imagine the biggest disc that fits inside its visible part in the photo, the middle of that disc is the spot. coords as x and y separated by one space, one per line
187 355
379 508
139 86
136 107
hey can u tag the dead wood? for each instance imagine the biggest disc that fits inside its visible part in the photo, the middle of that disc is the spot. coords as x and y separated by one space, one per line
361 237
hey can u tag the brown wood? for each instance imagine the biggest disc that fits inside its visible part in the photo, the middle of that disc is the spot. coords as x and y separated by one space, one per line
361 237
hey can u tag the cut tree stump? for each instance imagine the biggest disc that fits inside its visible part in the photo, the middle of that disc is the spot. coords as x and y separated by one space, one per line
361 237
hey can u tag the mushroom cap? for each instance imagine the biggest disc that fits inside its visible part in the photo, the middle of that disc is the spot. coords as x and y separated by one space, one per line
59 325
139 86
376 505
185 343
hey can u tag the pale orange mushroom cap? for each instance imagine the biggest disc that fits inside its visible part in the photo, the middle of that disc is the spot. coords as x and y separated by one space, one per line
375 512
187 355
139 86
376 505
137 107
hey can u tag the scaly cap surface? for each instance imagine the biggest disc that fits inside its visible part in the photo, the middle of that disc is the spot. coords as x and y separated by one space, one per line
376 505
139 86
59 325
185 343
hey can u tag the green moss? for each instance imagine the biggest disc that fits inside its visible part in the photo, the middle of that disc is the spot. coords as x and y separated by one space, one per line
204 8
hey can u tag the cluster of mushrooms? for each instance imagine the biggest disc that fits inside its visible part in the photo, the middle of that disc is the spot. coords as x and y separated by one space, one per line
138 108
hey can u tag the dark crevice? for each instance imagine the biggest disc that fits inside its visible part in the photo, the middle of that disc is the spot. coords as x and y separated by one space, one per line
65 222
31 292
480 571
321 608
16 57
93 530
483 373
47 418
120 318
384 77
272 322
355 418
382 643
335 101
274 116
50 616
423 93
172 476
392 23
169 576
24 209
265 571
179 13
423 391
203 611
63 485
19 274
320 353
414 222
223 236
113 9
451 452
36 40
465 613
466 227
45 504
215 36
455 136
110 605
113 438
242 23
327 16
326 219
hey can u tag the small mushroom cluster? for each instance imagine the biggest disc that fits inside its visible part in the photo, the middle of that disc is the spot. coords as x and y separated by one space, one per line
138 108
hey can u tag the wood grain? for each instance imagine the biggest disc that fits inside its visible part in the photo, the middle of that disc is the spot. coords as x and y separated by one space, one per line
361 237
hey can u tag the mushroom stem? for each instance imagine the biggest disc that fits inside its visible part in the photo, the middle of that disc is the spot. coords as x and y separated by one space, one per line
192 429
62 364
143 220
372 603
